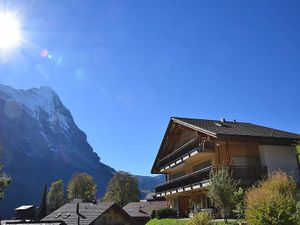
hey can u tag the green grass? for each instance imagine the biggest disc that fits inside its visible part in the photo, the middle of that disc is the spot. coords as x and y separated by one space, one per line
181 222
167 222
223 223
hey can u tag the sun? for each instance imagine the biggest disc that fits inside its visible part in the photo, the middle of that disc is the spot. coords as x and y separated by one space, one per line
10 34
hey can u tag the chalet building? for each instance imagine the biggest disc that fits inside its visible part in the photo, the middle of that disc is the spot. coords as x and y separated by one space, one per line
83 213
190 147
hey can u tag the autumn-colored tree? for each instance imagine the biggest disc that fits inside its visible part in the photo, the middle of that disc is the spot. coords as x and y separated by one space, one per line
273 201
56 196
122 189
82 186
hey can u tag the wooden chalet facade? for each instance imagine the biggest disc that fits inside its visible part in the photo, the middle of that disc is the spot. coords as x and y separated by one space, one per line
190 148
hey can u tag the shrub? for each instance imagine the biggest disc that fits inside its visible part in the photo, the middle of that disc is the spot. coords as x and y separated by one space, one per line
221 190
273 201
240 202
166 213
153 214
201 218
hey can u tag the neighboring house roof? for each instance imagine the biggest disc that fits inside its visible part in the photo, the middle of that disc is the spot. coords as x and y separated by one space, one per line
216 127
143 209
88 212
24 207
22 222
10 221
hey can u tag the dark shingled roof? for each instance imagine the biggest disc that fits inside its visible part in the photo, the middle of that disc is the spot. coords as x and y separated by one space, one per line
216 127
88 211
22 222
143 209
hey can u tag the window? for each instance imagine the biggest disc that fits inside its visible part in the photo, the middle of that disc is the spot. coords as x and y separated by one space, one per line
57 215
67 215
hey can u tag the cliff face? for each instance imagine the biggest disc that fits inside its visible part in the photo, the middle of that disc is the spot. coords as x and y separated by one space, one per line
40 143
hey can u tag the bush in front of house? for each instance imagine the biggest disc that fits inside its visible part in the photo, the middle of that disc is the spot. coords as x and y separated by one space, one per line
166 213
221 190
273 201
202 218
153 214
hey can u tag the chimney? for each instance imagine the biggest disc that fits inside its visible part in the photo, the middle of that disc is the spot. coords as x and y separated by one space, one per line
223 120
77 209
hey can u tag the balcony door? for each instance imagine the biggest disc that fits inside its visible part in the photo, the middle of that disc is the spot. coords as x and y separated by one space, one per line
183 205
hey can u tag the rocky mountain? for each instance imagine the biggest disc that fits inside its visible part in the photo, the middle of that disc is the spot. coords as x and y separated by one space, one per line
40 143
147 184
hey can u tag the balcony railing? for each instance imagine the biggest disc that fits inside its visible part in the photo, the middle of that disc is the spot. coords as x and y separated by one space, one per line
189 179
245 174
249 174
182 152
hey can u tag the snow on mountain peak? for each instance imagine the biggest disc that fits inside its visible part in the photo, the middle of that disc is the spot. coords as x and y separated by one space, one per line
34 101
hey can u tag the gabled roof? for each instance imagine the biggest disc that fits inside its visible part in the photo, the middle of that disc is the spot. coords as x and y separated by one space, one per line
228 130
22 222
88 212
216 127
143 209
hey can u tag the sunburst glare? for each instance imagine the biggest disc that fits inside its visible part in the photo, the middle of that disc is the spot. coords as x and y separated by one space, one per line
10 31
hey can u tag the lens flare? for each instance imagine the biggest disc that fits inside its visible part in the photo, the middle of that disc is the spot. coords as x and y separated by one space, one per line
9 30
44 53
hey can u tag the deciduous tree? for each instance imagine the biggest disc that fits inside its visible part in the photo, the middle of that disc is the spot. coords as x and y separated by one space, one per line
222 190
122 189
82 186
5 181
56 196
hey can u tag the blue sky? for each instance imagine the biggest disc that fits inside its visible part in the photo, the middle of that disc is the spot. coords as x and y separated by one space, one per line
124 68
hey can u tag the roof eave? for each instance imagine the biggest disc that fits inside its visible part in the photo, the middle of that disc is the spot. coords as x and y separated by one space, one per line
178 121
225 137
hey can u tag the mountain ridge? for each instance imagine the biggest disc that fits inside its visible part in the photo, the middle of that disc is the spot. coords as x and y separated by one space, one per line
41 143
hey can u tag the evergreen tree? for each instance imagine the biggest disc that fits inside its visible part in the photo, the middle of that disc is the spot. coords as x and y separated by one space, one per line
56 196
42 210
82 186
122 189
4 182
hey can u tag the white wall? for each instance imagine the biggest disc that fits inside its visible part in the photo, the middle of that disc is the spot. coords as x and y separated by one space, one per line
280 157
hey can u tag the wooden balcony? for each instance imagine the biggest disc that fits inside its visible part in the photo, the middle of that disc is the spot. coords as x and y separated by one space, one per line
189 149
245 174
187 180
